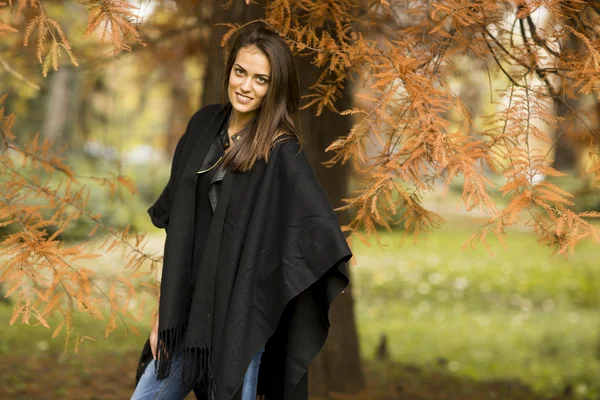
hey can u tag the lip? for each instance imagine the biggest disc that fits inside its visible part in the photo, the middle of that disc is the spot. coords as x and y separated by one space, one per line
243 95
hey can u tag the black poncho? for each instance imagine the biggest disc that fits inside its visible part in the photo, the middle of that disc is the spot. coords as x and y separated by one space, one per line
273 262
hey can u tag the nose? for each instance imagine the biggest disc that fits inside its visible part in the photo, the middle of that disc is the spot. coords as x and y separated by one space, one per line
246 85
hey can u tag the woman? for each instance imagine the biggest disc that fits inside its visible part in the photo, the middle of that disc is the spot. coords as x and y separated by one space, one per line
254 254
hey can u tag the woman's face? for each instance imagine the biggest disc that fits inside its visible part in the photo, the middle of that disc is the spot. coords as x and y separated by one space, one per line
249 79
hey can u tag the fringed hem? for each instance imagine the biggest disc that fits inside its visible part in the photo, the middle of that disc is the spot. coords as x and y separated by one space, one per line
196 367
166 344
197 370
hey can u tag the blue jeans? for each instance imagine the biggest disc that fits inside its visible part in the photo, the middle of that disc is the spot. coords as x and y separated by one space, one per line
172 388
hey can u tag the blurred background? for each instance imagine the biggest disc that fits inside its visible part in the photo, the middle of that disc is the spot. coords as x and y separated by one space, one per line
424 319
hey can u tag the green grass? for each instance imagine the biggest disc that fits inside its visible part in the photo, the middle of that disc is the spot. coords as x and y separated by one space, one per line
519 314
27 339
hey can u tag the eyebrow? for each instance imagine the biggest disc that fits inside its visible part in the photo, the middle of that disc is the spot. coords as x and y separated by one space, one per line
242 68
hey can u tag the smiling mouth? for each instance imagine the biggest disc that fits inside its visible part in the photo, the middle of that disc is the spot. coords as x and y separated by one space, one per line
248 97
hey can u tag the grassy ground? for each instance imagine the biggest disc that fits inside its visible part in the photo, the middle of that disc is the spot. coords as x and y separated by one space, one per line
521 314
459 325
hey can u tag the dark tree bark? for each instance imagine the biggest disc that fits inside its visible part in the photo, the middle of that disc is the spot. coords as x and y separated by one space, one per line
238 12
566 154
337 368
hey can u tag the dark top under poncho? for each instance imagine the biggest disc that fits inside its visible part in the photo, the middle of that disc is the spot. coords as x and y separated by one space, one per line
204 212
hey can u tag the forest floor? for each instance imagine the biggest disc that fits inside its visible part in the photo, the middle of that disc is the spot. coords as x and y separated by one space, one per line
111 376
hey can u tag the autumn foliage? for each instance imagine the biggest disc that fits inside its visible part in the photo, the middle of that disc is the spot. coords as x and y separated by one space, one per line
409 70
413 130
43 274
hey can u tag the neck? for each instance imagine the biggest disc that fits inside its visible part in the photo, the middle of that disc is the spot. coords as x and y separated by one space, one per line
238 120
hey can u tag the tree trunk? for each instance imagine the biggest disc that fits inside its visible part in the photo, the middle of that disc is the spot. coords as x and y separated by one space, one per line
337 368
238 12
566 154
180 104
61 104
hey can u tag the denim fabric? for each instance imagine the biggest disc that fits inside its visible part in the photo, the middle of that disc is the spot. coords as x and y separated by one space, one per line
251 377
172 388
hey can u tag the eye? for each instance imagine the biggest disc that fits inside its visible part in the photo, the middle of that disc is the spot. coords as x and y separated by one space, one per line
262 80
239 71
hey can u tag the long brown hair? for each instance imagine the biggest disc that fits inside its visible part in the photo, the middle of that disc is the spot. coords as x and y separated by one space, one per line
275 118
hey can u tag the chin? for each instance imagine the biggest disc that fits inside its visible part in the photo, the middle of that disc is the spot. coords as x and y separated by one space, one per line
244 108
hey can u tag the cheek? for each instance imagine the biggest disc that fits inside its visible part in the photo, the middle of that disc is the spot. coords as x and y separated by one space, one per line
261 91
233 80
